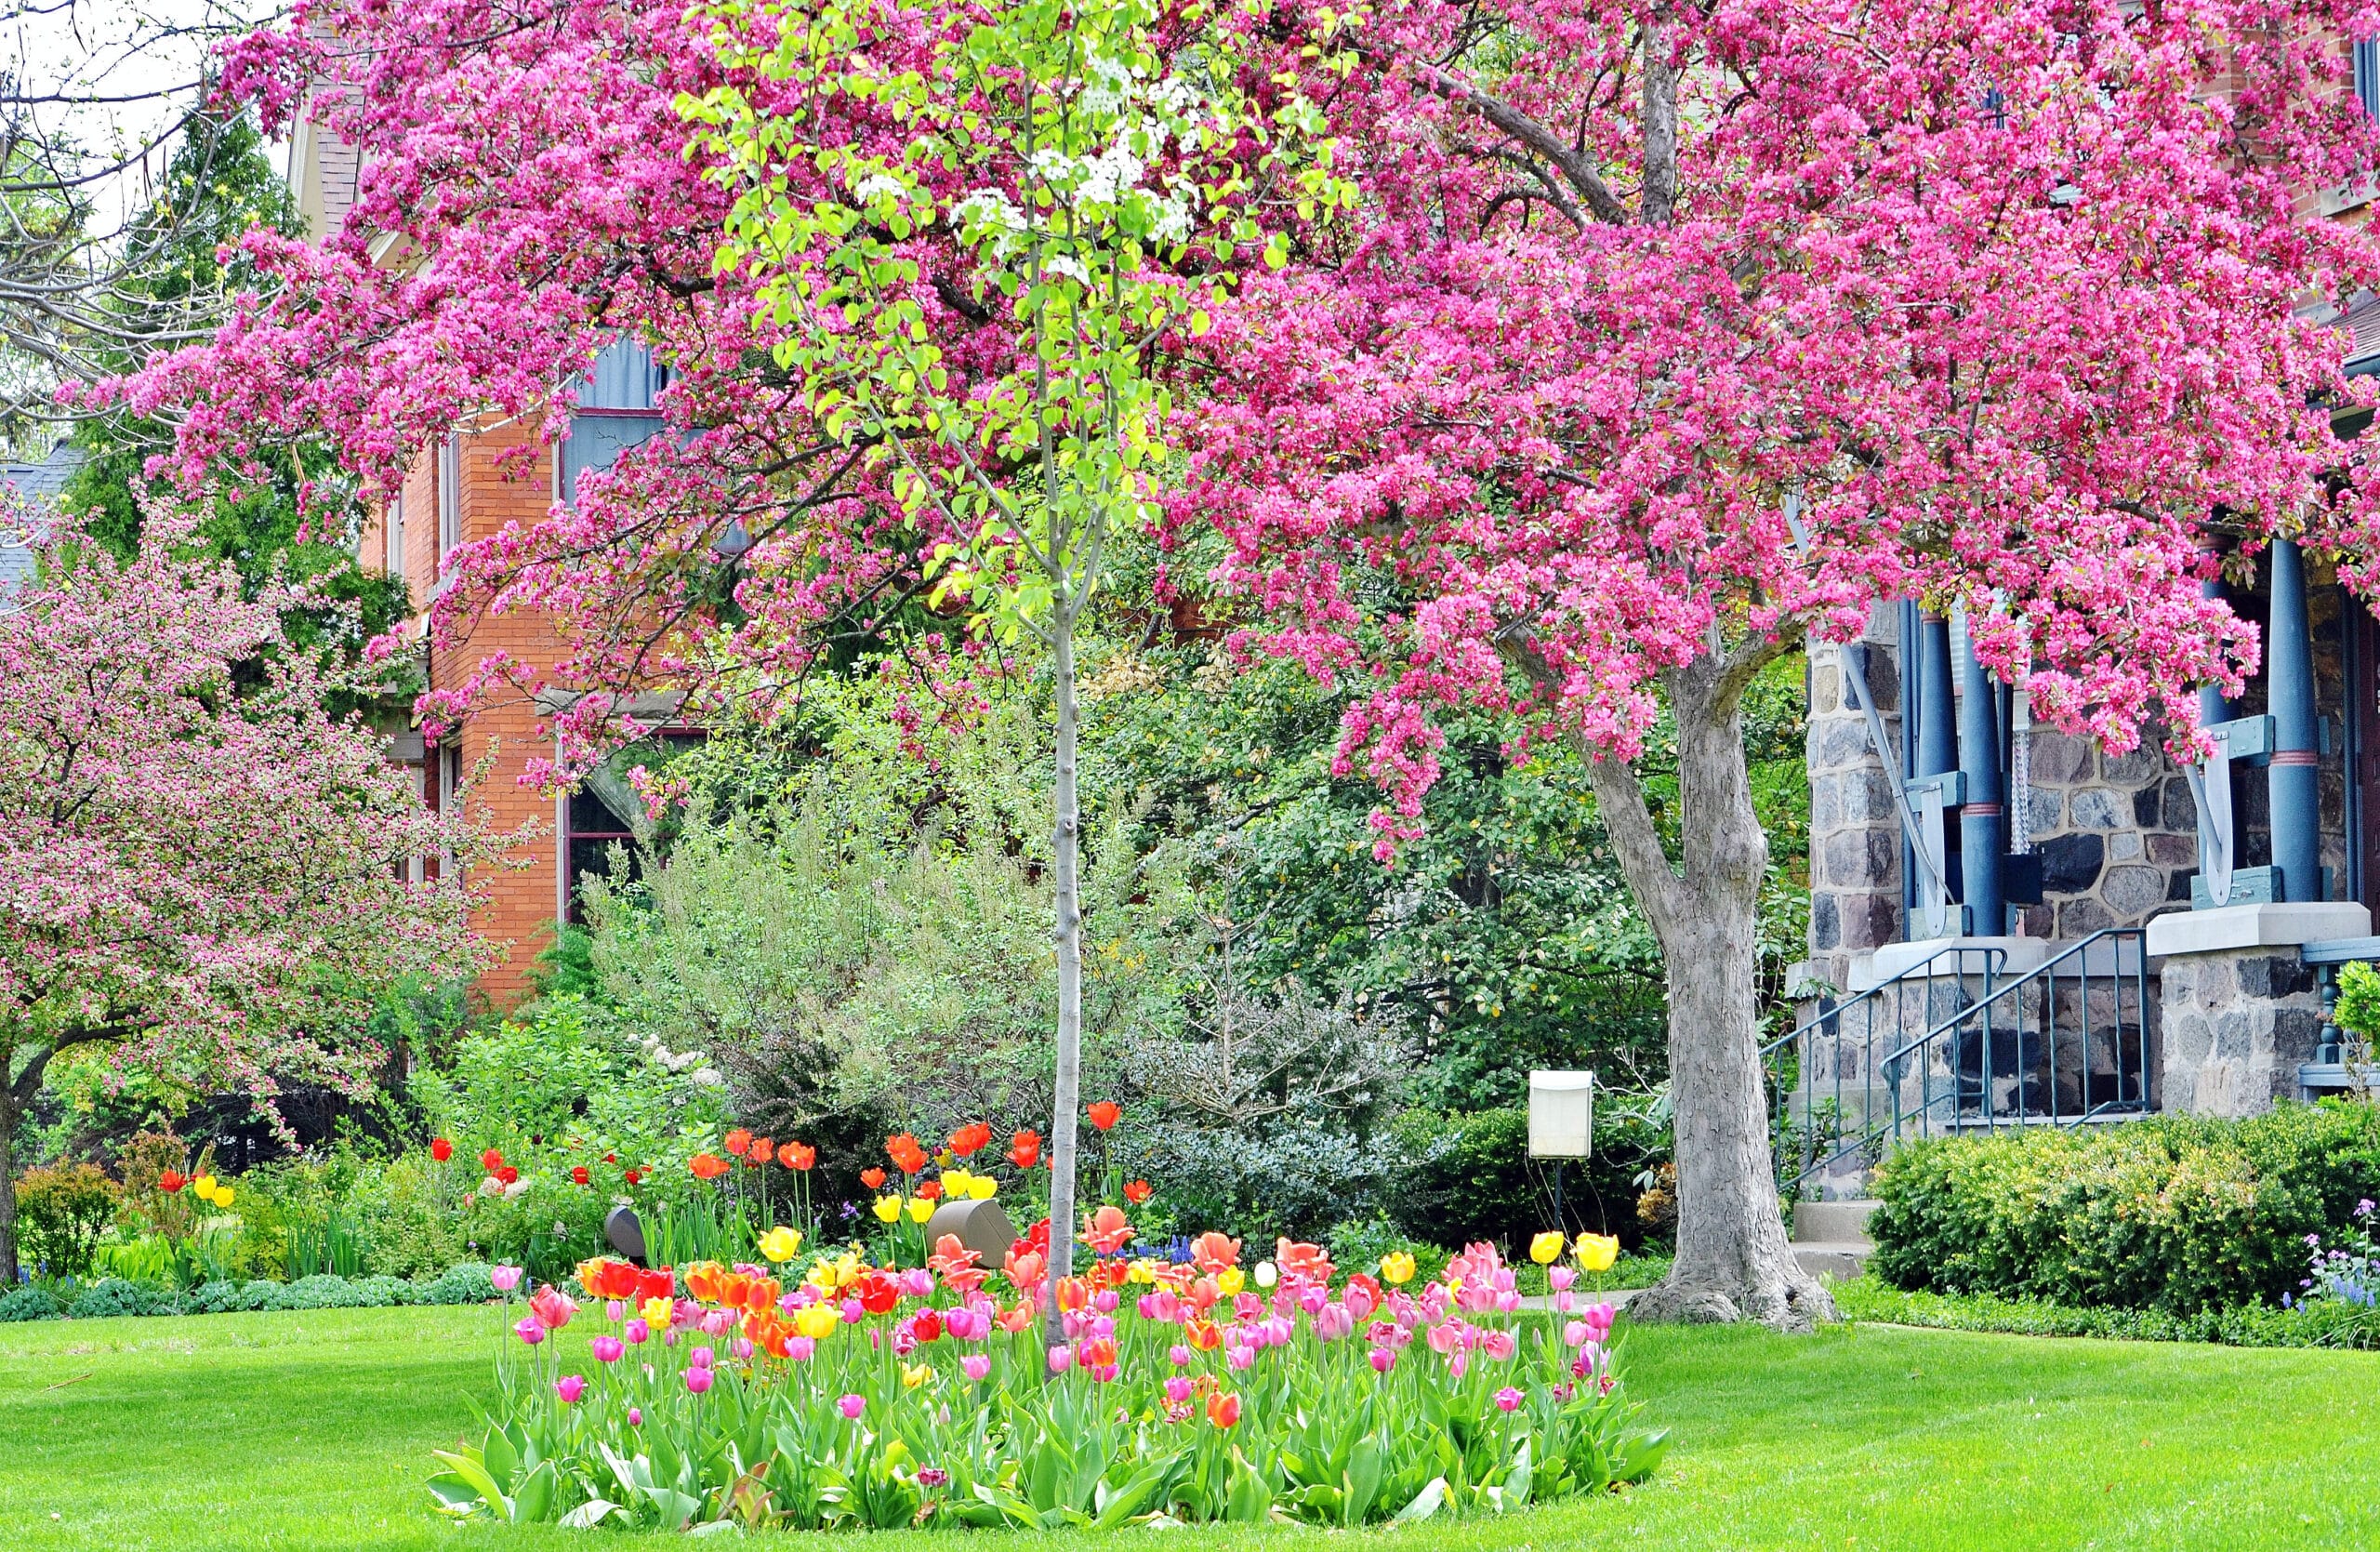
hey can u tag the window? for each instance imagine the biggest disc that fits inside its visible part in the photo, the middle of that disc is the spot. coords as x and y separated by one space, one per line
2367 76
617 409
450 496
601 812
395 561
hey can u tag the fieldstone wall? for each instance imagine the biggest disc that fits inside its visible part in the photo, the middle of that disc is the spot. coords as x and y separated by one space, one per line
2237 1024
1854 826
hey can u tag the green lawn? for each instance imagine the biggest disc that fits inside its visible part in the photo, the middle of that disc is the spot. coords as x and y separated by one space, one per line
312 1431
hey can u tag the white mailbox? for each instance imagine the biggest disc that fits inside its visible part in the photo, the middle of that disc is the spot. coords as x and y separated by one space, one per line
1561 1114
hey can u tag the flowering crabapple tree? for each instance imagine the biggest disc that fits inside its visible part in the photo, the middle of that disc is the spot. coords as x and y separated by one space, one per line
1088 168
1667 335
203 874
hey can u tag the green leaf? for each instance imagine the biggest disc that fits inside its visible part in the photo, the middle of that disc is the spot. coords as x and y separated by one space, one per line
1426 1503
532 1500
591 1514
467 1465
1365 1464
1251 1500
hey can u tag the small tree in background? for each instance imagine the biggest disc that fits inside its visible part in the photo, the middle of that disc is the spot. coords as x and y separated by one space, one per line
202 871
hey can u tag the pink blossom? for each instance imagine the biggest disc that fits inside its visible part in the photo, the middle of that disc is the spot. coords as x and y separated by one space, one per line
1508 1400
852 1406
506 1278
975 1366
606 1349
570 1387
530 1329
698 1379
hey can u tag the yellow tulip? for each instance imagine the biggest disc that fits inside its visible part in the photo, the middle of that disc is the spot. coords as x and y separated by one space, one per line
780 1243
981 1186
916 1374
1142 1270
205 1186
1547 1248
817 1320
1396 1269
888 1209
955 1182
1231 1279
1597 1252
657 1311
920 1209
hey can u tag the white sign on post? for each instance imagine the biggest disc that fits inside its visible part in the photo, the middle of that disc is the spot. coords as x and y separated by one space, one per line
1561 1114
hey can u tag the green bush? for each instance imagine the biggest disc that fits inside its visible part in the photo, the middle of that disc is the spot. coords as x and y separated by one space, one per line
224 1296
467 1283
2176 1214
116 1296
1468 1176
29 1304
2326 1324
61 1214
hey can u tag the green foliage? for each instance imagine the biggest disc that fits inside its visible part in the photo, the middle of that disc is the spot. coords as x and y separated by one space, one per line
1468 1176
30 1304
2176 1214
61 1212
2359 1004
466 1283
116 1296
2326 1324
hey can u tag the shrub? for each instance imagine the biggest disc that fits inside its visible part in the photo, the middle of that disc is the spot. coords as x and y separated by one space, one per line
116 1296
224 1296
467 1283
322 1290
61 1214
29 1304
2178 1214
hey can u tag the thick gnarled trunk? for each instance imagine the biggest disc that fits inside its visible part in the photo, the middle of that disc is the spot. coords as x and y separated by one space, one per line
1734 1261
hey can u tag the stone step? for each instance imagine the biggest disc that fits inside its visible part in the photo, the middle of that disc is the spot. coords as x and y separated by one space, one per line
1841 1259
1832 1222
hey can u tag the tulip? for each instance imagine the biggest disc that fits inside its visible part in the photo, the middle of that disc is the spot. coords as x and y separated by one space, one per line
796 1156
872 1177
638 1333
1105 1114
1062 1358
981 1186
742 1348
1223 1408
1230 1280
801 1349
441 1150
659 1313
636 1417
1267 1274
852 1406
1180 1355
1597 1252
1508 1400
1138 1191
578 1175
700 1358
975 1366
920 1209
698 1380
1547 1248
491 1160
915 1375
505 1277
888 1209
570 1387
1559 1279
1575 1332
552 1305
1398 1268
738 1141
529 1331
607 1349
1500 1345
1383 1361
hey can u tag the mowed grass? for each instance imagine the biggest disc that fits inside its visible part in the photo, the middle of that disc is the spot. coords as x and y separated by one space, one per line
313 1431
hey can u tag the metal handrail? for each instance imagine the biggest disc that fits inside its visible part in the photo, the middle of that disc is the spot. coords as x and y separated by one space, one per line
2000 1055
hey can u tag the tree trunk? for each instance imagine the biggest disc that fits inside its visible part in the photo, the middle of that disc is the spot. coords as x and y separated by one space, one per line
1066 862
1734 1261
8 1270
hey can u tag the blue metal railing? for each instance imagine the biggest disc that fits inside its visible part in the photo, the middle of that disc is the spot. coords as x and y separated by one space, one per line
1969 1048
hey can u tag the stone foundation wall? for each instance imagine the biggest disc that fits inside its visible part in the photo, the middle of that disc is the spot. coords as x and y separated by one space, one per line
2237 1024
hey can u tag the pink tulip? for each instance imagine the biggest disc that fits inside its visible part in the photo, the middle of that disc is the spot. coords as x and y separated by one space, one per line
700 1358
570 1387
551 1306
529 1330
1240 1357
636 1417
917 1283
1508 1400
742 1348
854 1312
975 1366
1062 1358
799 1349
638 1333
698 1379
1560 1277
505 1277
1105 1301
1383 1361
1247 1307
1178 1388
1180 1355
852 1406
718 1322
1359 1302
607 1349
1500 1345
613 1309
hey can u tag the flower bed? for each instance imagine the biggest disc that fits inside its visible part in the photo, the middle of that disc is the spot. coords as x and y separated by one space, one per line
881 1396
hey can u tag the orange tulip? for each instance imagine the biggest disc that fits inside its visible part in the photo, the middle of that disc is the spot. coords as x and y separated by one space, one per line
707 1166
1024 1149
1106 1113
761 1151
738 1141
1107 1230
1204 1293
929 1190
1205 1335
1073 1293
1138 1192
796 1156
970 1139
1213 1250
1222 1410
908 1156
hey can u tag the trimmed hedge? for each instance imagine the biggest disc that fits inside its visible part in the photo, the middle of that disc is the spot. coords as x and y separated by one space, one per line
2174 1214
2326 1324
467 1283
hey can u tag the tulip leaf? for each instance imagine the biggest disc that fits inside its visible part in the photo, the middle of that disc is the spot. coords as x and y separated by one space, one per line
501 1461
533 1497
1365 1464
591 1514
454 1495
1251 1500
466 1465
1426 1503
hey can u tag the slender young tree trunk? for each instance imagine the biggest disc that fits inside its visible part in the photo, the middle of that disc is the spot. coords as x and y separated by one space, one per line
1066 861
1734 1261
8 1271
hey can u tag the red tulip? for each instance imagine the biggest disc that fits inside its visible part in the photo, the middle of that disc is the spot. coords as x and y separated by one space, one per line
761 1151
578 1175
970 1139
1024 1149
633 1176
1138 1192
171 1181
929 1190
1223 1408
491 1160
796 1156
907 1154
738 1141
1106 1113
441 1150
707 1166
872 1178
507 1175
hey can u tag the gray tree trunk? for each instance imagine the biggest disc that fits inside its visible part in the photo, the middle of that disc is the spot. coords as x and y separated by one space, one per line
1066 863
1734 1261
8 1271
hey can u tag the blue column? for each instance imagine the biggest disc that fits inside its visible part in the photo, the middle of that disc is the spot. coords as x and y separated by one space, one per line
2212 708
2292 780
1936 737
1983 821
